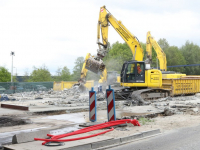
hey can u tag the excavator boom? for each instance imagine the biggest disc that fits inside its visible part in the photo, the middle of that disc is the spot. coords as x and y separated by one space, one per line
160 53
96 64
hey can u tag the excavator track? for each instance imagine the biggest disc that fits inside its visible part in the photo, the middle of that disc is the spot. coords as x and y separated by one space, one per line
141 95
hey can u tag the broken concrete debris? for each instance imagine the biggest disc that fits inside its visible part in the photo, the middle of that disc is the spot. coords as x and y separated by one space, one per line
73 97
12 121
168 112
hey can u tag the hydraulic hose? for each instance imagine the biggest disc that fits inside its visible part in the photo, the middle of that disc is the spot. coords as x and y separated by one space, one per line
55 138
74 139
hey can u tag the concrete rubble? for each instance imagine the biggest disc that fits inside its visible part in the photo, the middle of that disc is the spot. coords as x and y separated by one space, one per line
73 97
73 101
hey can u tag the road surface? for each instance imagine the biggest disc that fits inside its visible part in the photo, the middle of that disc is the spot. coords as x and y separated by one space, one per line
181 139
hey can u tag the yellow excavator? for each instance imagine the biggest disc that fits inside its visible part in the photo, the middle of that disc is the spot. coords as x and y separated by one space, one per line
161 56
130 76
137 79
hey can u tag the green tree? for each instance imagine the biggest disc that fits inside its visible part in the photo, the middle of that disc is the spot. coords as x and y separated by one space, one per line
191 52
163 44
63 74
41 74
77 68
118 54
175 57
5 76
57 77
26 76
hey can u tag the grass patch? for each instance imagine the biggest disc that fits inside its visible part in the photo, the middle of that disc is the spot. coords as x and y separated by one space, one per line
144 121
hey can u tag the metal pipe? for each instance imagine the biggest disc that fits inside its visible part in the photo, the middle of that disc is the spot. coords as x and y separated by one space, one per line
12 70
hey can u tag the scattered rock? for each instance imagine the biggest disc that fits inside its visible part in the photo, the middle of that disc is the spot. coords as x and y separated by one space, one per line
168 112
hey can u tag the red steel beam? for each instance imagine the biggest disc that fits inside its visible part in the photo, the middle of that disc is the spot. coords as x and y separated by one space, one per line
15 107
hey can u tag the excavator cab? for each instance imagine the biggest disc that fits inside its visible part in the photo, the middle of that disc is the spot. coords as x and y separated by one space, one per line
133 72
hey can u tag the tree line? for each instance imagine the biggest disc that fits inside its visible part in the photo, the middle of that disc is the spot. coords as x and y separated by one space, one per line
42 74
189 53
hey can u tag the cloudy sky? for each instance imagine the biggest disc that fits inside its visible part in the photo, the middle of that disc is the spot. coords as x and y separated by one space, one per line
55 32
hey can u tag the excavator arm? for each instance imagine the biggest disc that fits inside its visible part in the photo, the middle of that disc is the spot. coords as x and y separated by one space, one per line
105 18
84 70
160 53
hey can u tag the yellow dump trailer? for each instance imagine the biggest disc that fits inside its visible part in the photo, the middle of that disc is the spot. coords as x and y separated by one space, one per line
68 84
182 86
59 86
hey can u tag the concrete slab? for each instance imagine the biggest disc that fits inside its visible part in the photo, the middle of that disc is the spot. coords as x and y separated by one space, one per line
28 137
151 132
37 109
131 137
142 109
88 124
105 143
6 111
78 145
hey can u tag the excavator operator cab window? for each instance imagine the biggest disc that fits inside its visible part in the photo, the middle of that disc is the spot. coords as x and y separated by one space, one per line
130 74
134 72
140 72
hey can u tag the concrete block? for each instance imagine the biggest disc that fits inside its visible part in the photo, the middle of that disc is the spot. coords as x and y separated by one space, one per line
80 147
151 132
138 135
29 136
106 143
131 137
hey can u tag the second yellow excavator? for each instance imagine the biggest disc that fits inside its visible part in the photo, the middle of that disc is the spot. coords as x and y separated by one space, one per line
150 41
106 78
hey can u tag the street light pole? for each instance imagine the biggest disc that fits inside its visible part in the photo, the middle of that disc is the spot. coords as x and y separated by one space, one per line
12 54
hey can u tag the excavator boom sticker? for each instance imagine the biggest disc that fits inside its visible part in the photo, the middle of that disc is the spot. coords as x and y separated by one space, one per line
102 9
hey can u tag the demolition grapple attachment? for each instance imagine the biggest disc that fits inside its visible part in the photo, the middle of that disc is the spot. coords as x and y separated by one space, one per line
96 66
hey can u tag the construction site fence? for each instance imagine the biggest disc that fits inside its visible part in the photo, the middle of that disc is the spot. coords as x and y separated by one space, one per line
18 87
59 86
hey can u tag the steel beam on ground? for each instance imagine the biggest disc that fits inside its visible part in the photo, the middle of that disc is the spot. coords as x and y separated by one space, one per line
18 107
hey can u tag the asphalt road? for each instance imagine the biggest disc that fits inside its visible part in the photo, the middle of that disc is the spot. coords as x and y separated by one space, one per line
182 139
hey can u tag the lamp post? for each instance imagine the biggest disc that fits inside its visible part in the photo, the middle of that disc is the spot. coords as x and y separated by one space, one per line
12 54
15 70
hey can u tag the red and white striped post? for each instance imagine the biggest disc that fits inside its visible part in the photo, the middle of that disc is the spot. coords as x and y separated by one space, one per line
110 96
92 105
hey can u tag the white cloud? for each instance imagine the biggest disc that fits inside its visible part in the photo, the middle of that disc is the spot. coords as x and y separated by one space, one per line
55 33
